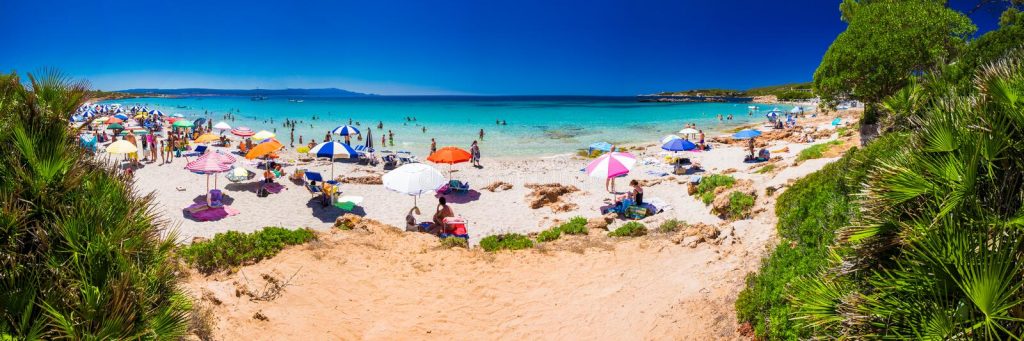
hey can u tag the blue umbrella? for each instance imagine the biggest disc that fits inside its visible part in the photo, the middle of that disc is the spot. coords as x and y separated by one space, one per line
121 116
678 145
333 150
746 134
156 112
345 130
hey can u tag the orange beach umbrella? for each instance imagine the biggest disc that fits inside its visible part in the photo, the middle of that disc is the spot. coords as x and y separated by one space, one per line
263 149
449 155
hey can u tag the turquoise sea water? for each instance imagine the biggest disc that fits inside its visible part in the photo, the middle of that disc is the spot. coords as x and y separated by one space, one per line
537 126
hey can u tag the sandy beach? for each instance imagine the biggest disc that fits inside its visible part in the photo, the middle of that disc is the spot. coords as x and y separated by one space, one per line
379 282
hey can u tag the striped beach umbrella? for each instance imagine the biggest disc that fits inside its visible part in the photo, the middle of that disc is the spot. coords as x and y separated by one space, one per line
156 112
121 116
611 165
243 132
209 163
332 150
263 135
345 130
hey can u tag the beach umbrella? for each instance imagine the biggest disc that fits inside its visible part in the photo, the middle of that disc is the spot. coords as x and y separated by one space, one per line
239 173
121 116
345 130
182 124
669 138
115 126
369 139
209 163
264 149
332 150
689 131
243 132
263 135
449 155
207 138
611 165
156 112
113 120
222 126
122 147
797 110
413 179
678 145
101 119
746 134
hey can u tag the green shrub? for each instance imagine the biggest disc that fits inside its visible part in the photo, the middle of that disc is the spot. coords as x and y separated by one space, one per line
576 225
809 213
630 229
708 184
84 256
766 169
671 225
739 205
234 248
549 235
452 241
816 151
508 241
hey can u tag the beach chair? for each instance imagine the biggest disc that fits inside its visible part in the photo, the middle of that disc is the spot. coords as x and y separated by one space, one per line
406 157
311 186
215 198
458 186
455 227
198 151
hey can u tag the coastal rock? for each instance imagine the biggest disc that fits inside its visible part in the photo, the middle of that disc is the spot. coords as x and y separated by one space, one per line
696 234
363 180
347 222
598 223
549 195
729 171
498 186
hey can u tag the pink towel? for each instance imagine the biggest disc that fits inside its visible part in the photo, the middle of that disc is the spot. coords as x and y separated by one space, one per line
210 213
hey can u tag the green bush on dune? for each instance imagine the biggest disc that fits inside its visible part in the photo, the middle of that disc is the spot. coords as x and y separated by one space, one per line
232 248
576 225
83 256
739 205
508 241
809 212
629 229
708 184
671 225
816 151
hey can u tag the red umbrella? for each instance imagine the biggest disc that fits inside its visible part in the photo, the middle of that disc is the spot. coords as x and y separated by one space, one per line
243 132
450 155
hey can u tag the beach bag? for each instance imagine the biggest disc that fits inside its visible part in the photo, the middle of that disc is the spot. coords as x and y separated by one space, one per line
262 192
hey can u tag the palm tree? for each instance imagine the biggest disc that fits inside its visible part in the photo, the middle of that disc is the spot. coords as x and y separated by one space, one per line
82 254
938 254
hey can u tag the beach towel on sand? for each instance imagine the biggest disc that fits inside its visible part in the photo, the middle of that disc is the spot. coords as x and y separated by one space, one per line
201 212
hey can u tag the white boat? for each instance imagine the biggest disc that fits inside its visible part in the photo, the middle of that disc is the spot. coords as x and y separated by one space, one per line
752 107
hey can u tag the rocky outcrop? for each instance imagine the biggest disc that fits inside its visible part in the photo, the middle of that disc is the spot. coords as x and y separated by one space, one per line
550 195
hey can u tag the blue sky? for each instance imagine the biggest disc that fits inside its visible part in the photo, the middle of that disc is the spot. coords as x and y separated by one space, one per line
520 47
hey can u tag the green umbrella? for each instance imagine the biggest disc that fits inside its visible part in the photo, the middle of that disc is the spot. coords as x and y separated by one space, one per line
182 124
115 126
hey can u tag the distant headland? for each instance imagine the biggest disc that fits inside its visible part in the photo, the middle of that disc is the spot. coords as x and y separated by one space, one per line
768 94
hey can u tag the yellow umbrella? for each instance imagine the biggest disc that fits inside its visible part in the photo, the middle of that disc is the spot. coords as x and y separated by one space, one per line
207 138
263 135
140 116
263 149
122 147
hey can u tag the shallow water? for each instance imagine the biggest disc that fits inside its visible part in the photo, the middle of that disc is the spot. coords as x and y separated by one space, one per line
535 125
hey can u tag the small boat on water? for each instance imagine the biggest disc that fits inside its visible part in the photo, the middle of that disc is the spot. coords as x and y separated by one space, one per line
752 107
258 98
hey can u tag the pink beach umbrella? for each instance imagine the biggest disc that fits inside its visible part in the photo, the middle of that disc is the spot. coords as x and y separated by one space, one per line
611 165
243 132
210 163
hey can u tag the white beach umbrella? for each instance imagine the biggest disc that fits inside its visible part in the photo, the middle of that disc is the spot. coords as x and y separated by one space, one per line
689 131
670 138
414 179
222 126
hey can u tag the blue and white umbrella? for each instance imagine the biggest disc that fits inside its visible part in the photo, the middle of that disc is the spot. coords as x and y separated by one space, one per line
333 150
156 112
678 145
121 116
345 130
746 134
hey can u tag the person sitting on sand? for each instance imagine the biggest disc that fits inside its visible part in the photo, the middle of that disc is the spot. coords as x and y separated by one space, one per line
410 220
443 211
636 194
268 176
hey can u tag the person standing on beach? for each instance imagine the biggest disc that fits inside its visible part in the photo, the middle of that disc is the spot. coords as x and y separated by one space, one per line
424 129
327 137
391 138
151 140
163 154
609 183
292 139
474 152
701 139
382 144
481 135
433 146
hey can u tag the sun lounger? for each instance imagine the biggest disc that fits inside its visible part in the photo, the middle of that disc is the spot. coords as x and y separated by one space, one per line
455 227
198 151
